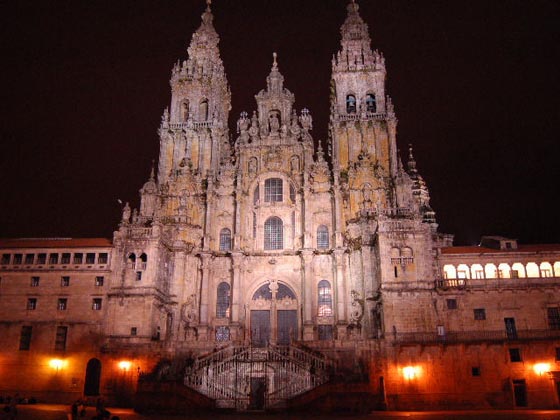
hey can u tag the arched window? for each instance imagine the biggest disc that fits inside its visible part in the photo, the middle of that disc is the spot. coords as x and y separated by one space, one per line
490 271
132 260
273 234
449 271
322 237
203 110
143 261
185 111
324 298
273 190
223 301
371 105
225 239
350 104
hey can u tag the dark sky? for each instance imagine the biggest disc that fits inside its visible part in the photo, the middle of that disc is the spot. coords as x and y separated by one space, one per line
475 86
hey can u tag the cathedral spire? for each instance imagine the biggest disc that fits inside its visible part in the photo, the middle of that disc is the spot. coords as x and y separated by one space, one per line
275 80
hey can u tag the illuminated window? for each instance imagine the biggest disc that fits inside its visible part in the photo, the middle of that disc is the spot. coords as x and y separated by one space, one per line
515 355
325 332
96 304
449 272
533 270
350 104
463 271
6 259
35 281
60 341
103 258
223 300
65 258
53 259
553 318
18 258
324 298
78 258
225 239
29 258
99 280
546 269
517 271
25 338
451 303
477 271
322 237
65 281
504 271
480 314
273 190
222 333
273 234
490 271
371 105
62 304
31 304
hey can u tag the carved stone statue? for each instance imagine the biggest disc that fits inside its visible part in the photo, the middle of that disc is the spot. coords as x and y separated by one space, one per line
126 213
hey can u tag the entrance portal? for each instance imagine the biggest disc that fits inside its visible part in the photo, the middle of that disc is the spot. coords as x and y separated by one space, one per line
93 377
273 315
258 392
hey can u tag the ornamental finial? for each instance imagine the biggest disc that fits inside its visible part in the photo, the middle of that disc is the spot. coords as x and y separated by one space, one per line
274 62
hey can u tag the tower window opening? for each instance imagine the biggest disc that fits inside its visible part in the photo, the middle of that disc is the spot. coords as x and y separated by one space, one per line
350 104
371 105
185 111
203 110
273 234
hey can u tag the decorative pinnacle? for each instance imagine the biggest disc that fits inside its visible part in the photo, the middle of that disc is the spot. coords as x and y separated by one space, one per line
274 62
152 173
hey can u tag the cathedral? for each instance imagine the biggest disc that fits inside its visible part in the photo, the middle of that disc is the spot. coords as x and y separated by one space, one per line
261 271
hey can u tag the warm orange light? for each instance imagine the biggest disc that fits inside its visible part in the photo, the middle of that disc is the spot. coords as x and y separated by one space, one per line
124 364
57 363
411 372
541 368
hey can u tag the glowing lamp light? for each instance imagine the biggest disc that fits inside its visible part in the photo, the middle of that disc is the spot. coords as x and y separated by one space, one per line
411 372
56 364
124 364
541 368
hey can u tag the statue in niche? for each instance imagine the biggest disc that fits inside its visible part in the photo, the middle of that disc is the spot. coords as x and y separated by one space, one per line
306 120
126 213
252 169
135 216
295 128
254 130
274 123
294 164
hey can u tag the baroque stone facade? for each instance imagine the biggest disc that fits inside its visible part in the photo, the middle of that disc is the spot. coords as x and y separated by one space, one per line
260 239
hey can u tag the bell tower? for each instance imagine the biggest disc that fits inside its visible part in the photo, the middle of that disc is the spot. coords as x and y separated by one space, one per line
193 130
362 140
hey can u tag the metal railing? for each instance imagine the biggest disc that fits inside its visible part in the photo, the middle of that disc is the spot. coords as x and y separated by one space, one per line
227 375
474 336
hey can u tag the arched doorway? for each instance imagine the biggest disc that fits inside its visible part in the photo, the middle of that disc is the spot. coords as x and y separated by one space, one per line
93 378
273 315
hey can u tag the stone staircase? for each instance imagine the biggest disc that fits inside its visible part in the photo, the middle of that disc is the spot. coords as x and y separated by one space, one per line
257 378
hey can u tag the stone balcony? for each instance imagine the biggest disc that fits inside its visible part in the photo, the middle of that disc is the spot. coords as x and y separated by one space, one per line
496 284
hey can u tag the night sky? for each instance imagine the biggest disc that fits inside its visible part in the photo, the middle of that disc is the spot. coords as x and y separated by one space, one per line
475 86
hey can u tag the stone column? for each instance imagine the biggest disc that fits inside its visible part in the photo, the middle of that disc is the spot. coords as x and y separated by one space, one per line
204 290
340 296
307 289
236 301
